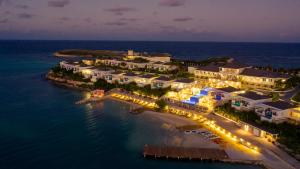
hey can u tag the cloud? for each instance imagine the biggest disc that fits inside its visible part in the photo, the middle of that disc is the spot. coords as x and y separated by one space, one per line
3 21
183 19
2 2
22 6
129 19
88 20
172 3
25 15
58 3
116 23
120 10
64 19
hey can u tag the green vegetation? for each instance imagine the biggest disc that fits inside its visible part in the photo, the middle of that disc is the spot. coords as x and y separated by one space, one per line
68 74
275 97
182 74
161 104
228 111
288 133
92 53
140 60
296 98
290 83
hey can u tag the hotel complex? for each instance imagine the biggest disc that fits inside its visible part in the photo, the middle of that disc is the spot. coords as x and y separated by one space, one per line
239 75
211 86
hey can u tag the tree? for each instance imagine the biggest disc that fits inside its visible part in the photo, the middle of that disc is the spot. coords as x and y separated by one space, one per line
275 97
161 104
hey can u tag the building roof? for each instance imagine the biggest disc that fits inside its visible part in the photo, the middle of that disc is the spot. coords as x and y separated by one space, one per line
263 73
280 105
147 76
163 78
210 68
235 65
130 74
185 80
229 89
254 96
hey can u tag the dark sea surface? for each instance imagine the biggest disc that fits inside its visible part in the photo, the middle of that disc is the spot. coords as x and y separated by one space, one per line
42 128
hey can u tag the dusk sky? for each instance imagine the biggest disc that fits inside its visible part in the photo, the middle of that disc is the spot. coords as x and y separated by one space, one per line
169 20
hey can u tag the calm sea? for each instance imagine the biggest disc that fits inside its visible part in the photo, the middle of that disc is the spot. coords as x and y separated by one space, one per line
42 128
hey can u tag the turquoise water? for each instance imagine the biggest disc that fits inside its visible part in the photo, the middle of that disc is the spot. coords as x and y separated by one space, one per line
42 128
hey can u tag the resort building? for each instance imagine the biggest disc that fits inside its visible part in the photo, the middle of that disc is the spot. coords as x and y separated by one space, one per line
161 82
278 111
69 65
137 64
113 77
100 73
224 95
248 100
154 57
127 78
260 78
144 80
238 75
182 83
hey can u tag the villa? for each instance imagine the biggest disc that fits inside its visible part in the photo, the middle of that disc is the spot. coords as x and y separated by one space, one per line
113 77
100 73
182 83
161 82
248 100
224 95
128 78
144 80
277 111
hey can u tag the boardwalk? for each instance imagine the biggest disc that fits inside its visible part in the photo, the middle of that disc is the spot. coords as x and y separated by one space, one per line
184 153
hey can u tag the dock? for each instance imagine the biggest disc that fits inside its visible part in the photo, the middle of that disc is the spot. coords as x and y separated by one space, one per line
182 153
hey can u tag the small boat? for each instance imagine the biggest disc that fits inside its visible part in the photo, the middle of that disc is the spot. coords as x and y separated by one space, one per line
187 131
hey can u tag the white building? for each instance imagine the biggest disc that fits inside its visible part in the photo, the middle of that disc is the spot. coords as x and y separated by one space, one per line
225 94
182 83
113 77
161 82
155 57
248 100
128 78
144 80
100 73
278 111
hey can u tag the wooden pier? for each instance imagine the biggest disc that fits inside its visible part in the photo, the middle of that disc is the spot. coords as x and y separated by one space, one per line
179 153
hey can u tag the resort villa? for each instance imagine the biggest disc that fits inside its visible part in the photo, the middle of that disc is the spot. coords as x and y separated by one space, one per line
277 111
182 83
246 101
161 82
144 80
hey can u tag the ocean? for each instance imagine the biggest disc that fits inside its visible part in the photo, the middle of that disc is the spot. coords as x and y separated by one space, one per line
41 127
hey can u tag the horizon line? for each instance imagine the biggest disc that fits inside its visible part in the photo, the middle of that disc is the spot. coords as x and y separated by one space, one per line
148 41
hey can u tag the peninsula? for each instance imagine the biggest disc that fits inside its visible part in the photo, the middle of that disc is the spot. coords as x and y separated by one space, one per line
253 109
